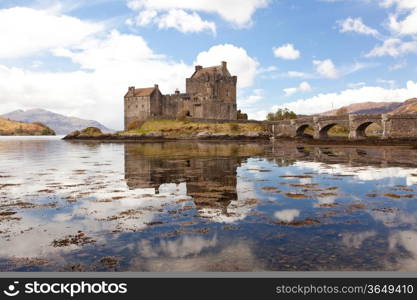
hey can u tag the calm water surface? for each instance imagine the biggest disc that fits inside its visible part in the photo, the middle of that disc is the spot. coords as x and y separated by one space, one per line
73 206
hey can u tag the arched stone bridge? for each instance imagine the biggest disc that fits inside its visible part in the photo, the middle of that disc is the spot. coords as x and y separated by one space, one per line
393 126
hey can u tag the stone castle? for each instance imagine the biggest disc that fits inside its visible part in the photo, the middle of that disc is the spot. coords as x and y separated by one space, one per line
210 94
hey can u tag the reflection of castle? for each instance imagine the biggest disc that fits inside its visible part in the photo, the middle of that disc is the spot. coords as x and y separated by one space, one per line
209 170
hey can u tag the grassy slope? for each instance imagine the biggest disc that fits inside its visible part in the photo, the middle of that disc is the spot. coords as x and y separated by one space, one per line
173 127
9 127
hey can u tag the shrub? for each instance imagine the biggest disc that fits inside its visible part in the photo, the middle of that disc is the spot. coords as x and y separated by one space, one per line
281 114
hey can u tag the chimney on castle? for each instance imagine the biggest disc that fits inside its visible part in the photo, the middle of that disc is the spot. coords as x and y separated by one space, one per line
131 88
224 64
156 86
198 68
177 91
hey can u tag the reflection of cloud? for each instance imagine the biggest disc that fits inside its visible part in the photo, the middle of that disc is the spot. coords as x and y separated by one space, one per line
365 173
237 209
355 240
325 200
306 180
406 240
392 219
237 257
287 215
179 248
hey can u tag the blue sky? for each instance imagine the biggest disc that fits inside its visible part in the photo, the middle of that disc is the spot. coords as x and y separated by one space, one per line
79 57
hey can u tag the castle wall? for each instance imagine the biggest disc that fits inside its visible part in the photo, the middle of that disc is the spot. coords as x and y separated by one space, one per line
219 110
136 109
176 104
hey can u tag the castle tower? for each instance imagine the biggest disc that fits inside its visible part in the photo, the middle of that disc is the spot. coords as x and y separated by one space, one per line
213 83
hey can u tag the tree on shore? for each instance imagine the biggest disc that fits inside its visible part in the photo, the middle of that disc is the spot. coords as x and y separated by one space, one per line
281 114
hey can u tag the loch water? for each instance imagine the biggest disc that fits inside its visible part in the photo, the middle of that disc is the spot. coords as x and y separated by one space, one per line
206 206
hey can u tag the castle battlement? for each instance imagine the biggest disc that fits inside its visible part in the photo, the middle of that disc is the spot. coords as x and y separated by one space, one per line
210 94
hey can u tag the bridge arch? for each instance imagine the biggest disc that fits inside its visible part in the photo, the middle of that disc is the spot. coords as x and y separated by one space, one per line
360 130
301 130
324 130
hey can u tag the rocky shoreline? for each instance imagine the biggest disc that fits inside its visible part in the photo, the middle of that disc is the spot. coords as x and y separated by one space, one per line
166 137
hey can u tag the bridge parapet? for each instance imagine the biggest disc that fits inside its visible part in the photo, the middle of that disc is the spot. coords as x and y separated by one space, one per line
304 120
332 118
354 117
399 116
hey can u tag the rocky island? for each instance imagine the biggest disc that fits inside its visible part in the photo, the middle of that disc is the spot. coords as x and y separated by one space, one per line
178 130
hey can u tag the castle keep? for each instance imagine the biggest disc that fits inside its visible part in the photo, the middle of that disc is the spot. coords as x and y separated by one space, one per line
210 94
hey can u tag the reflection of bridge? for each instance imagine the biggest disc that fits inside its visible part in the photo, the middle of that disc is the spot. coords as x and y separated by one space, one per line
393 126
349 156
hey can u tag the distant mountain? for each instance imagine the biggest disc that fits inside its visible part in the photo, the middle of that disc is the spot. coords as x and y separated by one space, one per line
407 107
368 108
59 123
9 127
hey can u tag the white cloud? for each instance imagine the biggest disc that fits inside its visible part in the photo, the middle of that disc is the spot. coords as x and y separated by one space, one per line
286 51
356 25
239 13
393 47
174 18
238 62
250 103
325 102
255 97
145 17
408 24
26 31
326 68
116 50
303 87
185 22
